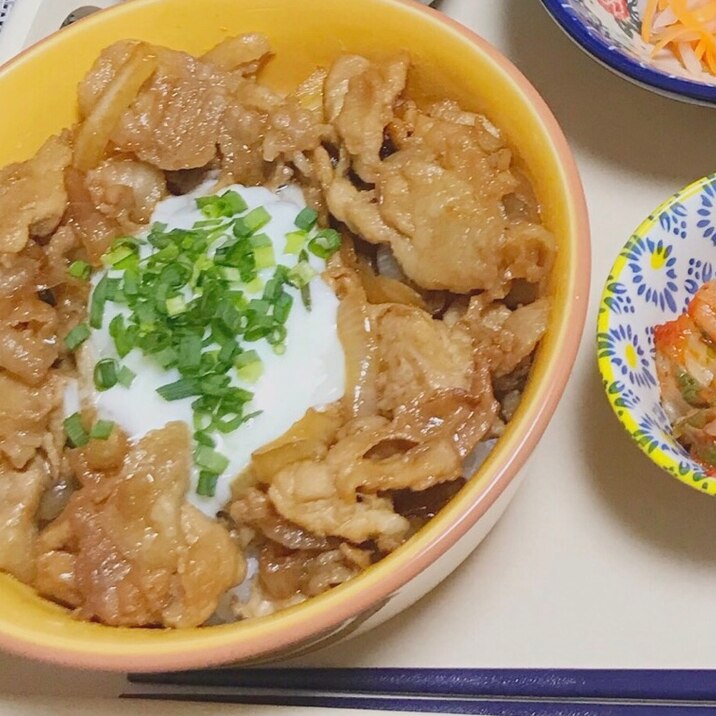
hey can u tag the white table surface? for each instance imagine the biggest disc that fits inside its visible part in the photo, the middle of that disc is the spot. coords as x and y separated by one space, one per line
602 560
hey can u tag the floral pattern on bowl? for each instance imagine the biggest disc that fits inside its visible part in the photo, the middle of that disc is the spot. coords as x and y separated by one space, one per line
671 254
610 31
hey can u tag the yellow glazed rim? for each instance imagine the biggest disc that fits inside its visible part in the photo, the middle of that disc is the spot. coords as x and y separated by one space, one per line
39 629
678 468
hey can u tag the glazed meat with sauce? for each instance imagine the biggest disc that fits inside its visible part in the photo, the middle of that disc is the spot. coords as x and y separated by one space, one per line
436 255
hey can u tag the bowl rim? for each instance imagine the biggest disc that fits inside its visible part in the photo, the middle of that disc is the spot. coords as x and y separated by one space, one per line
620 63
322 615
696 480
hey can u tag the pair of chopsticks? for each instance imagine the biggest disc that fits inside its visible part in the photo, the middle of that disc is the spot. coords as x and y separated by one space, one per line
490 692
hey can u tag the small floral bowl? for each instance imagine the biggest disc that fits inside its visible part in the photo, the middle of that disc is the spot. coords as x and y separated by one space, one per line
610 31
657 273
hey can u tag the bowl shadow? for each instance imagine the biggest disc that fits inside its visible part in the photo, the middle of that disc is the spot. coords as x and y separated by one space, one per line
604 115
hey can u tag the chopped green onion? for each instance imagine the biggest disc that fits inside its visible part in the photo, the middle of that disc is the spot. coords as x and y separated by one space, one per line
265 257
166 358
75 430
183 388
247 358
105 374
189 352
277 335
240 229
228 424
102 429
231 274
233 201
294 242
273 289
301 274
124 337
113 288
206 486
175 305
202 421
255 286
226 205
306 219
80 269
251 372
77 336
210 460
306 296
99 298
260 240
203 438
230 317
126 377
325 243
282 307
249 366
227 352
257 219
212 223
130 286
118 256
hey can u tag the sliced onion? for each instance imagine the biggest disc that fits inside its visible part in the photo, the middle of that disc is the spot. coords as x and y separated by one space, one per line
95 131
361 350
382 289
306 439
268 463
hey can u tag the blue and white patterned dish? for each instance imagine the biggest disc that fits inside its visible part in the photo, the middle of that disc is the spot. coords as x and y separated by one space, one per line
670 255
609 30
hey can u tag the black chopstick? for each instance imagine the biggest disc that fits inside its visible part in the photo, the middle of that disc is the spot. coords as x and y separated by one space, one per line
482 707
603 684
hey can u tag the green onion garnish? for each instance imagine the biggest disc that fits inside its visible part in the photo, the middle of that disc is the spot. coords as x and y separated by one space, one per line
77 336
208 459
105 374
301 274
295 242
325 243
175 305
207 484
306 296
184 388
255 286
265 257
226 205
102 429
75 430
306 219
192 300
80 269
99 298
256 219
202 437
125 377
122 250
249 366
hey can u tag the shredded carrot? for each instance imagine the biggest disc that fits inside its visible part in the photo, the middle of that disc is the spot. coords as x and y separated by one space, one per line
676 25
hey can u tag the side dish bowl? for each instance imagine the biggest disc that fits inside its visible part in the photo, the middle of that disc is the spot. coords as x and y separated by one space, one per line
655 276
448 61
610 32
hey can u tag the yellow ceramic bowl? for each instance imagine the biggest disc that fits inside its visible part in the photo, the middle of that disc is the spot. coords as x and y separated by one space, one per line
37 95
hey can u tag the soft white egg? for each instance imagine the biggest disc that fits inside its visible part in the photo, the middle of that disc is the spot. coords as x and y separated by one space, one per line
310 374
